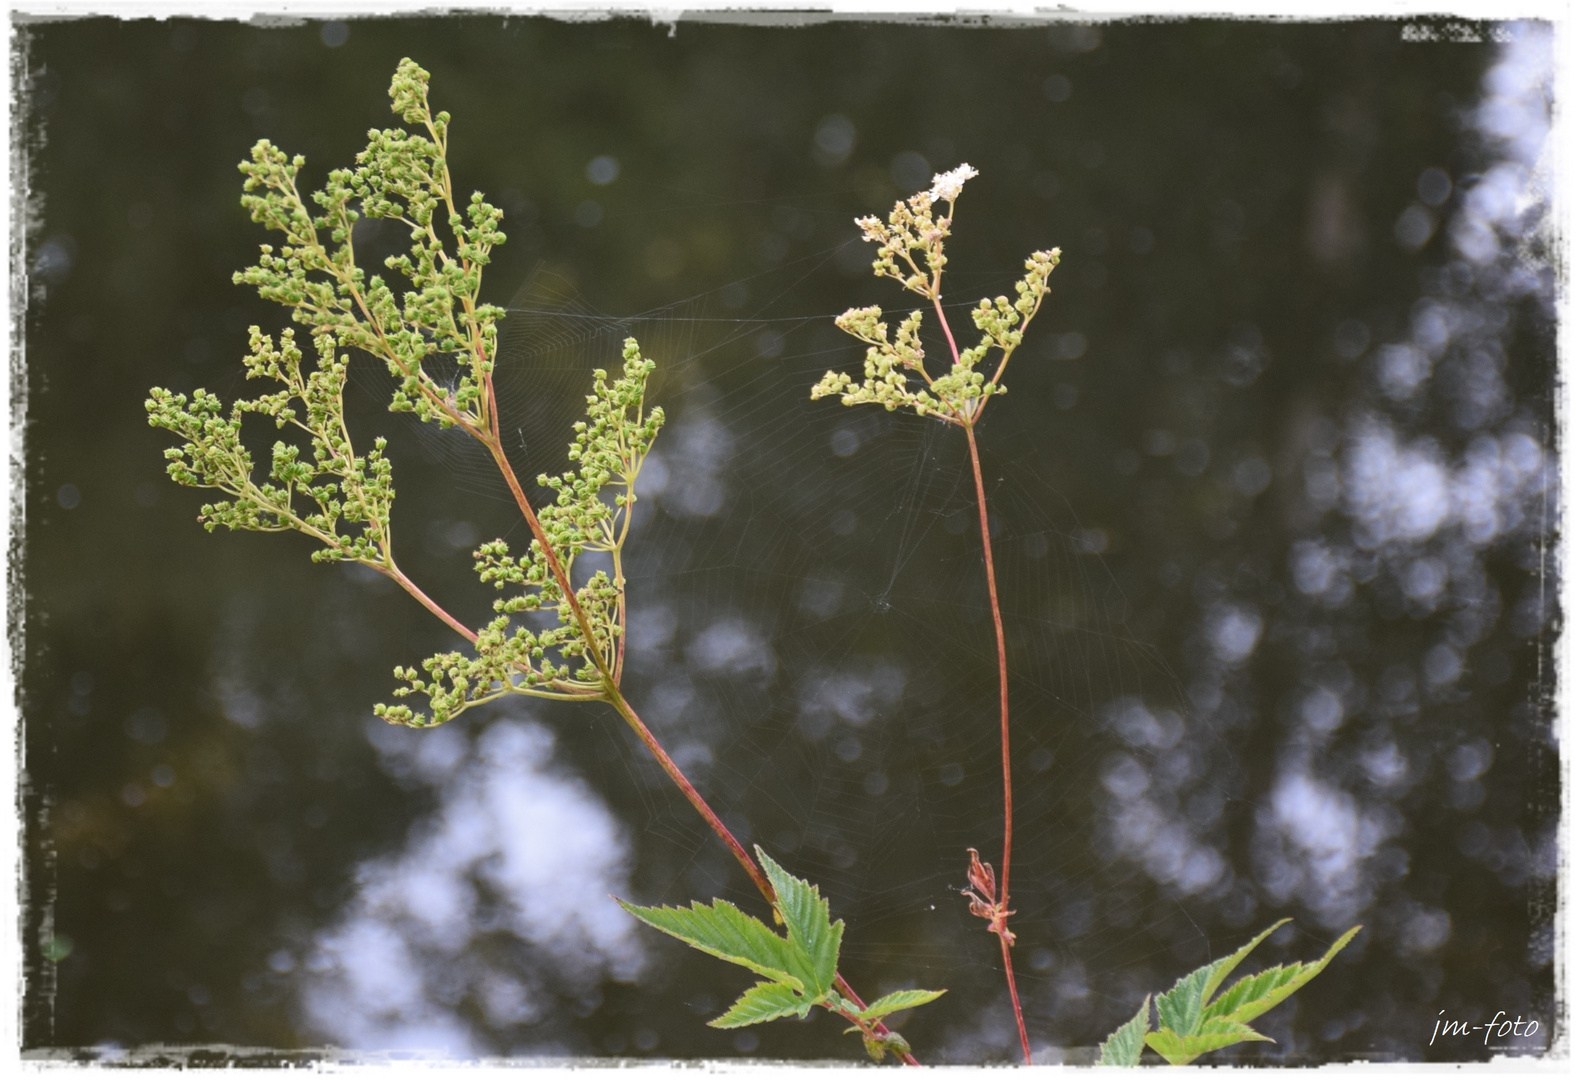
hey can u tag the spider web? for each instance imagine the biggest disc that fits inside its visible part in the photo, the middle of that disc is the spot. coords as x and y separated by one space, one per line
810 635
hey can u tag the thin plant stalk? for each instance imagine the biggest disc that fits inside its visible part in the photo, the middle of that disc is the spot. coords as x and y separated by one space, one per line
998 924
912 234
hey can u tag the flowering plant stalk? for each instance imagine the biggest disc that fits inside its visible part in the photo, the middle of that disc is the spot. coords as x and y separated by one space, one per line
1193 1020
440 343
896 377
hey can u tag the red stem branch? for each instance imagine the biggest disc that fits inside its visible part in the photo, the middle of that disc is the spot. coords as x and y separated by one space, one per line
676 774
1012 988
945 326
1006 743
1000 900
616 698
431 605
1001 667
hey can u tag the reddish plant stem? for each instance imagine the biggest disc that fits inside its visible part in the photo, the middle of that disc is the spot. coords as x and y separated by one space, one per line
676 774
880 1026
1006 737
967 422
427 602
1012 988
946 327
1001 667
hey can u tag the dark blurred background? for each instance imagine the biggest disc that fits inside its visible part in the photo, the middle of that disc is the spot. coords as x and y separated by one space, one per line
1272 493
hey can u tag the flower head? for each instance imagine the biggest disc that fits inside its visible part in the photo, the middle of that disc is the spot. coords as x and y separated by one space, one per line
945 187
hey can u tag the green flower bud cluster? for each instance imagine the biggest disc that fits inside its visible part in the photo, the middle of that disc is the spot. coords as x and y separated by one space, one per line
402 177
895 375
610 445
886 364
506 661
320 497
590 512
996 319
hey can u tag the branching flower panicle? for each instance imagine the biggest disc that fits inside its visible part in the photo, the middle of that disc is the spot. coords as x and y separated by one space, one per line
402 177
337 497
895 375
591 512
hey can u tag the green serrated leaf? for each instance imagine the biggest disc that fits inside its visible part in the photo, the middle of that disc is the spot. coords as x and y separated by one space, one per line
762 1002
897 1001
1183 1007
817 940
726 933
1250 990
1254 995
1215 1035
1126 1044
1221 968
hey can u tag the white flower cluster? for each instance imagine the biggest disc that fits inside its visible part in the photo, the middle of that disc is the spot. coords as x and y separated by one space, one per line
945 187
